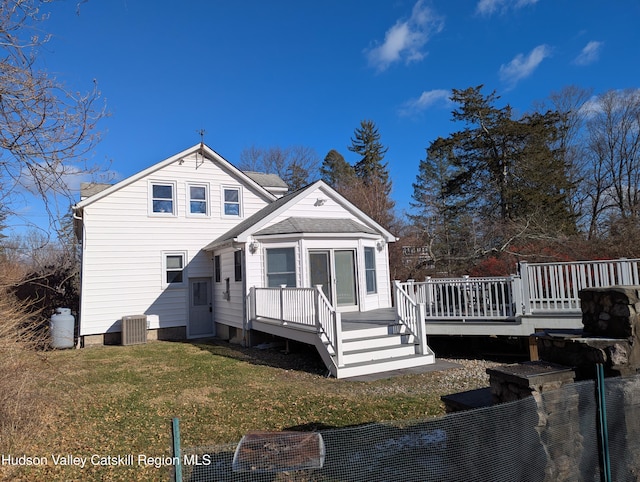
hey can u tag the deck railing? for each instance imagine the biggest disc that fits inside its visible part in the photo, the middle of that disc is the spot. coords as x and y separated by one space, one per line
465 298
411 314
302 307
555 286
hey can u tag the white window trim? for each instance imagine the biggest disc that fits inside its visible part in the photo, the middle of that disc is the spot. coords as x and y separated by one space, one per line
174 198
296 264
205 185
374 269
240 203
165 255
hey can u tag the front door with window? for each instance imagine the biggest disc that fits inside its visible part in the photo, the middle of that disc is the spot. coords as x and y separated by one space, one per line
200 308
335 270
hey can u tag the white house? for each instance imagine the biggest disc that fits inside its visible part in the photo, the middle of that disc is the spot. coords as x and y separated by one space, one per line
193 227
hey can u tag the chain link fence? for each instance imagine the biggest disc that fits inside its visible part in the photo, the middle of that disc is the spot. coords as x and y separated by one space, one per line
553 436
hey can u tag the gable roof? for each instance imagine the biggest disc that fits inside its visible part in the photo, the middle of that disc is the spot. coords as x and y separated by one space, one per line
252 224
202 149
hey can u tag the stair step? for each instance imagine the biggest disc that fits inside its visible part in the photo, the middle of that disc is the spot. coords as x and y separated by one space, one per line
380 353
376 342
365 332
381 366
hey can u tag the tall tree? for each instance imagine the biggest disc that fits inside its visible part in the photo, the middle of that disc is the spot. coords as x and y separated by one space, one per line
46 131
614 145
370 189
335 170
366 143
504 175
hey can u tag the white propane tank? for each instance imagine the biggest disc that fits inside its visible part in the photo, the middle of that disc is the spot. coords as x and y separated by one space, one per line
62 328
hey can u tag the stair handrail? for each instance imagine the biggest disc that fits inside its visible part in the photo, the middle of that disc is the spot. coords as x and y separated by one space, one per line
329 323
412 315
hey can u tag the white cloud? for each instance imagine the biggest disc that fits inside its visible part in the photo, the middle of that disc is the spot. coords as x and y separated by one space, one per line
426 100
488 7
523 66
405 40
589 54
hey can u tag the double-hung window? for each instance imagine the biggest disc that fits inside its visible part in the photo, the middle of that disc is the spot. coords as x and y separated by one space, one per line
198 200
163 198
174 265
370 269
281 267
232 201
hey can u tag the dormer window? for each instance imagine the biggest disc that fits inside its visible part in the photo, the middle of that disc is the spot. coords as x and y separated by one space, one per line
163 198
232 202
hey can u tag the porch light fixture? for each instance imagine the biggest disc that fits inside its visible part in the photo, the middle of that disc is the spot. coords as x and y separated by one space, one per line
320 202
381 244
253 247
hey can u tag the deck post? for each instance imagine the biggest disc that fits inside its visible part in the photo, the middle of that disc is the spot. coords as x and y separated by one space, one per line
516 292
421 319
524 288
282 287
252 305
316 308
337 327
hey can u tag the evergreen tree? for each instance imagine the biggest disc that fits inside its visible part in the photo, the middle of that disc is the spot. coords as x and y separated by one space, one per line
504 176
366 143
335 170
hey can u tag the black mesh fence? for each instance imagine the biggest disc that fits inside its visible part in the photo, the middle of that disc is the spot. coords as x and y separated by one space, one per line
553 436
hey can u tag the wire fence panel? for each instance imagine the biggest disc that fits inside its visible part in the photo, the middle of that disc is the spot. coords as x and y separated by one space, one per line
551 436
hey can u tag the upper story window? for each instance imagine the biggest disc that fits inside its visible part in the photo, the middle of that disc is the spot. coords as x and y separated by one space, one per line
198 200
232 201
163 198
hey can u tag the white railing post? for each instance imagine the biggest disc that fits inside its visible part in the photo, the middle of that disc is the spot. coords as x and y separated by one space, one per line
252 304
282 287
421 321
411 289
625 271
524 288
337 329
316 307
517 293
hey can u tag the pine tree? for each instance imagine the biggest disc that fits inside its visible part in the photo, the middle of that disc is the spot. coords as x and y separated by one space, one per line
335 170
366 143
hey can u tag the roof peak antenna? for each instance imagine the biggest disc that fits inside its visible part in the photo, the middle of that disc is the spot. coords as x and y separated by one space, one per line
202 133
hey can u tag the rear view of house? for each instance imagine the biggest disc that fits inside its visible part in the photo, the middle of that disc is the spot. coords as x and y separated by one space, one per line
184 242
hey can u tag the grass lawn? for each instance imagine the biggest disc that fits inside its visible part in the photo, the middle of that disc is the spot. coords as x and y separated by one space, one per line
114 401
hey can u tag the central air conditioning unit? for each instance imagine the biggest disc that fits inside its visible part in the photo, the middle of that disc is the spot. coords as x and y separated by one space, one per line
134 330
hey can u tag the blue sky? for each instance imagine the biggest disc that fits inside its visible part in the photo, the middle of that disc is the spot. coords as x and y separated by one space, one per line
284 73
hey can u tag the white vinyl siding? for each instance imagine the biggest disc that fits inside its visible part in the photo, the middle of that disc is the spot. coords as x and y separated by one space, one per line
124 243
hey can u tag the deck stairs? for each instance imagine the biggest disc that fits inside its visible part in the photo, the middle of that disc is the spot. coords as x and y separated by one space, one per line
369 348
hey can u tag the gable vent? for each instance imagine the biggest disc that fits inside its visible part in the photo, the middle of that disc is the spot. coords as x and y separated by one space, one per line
134 329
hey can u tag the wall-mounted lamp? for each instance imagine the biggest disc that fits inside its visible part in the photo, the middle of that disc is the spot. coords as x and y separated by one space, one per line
253 247
381 244
320 202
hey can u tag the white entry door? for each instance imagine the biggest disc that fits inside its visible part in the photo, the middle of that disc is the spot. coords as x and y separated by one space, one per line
200 308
